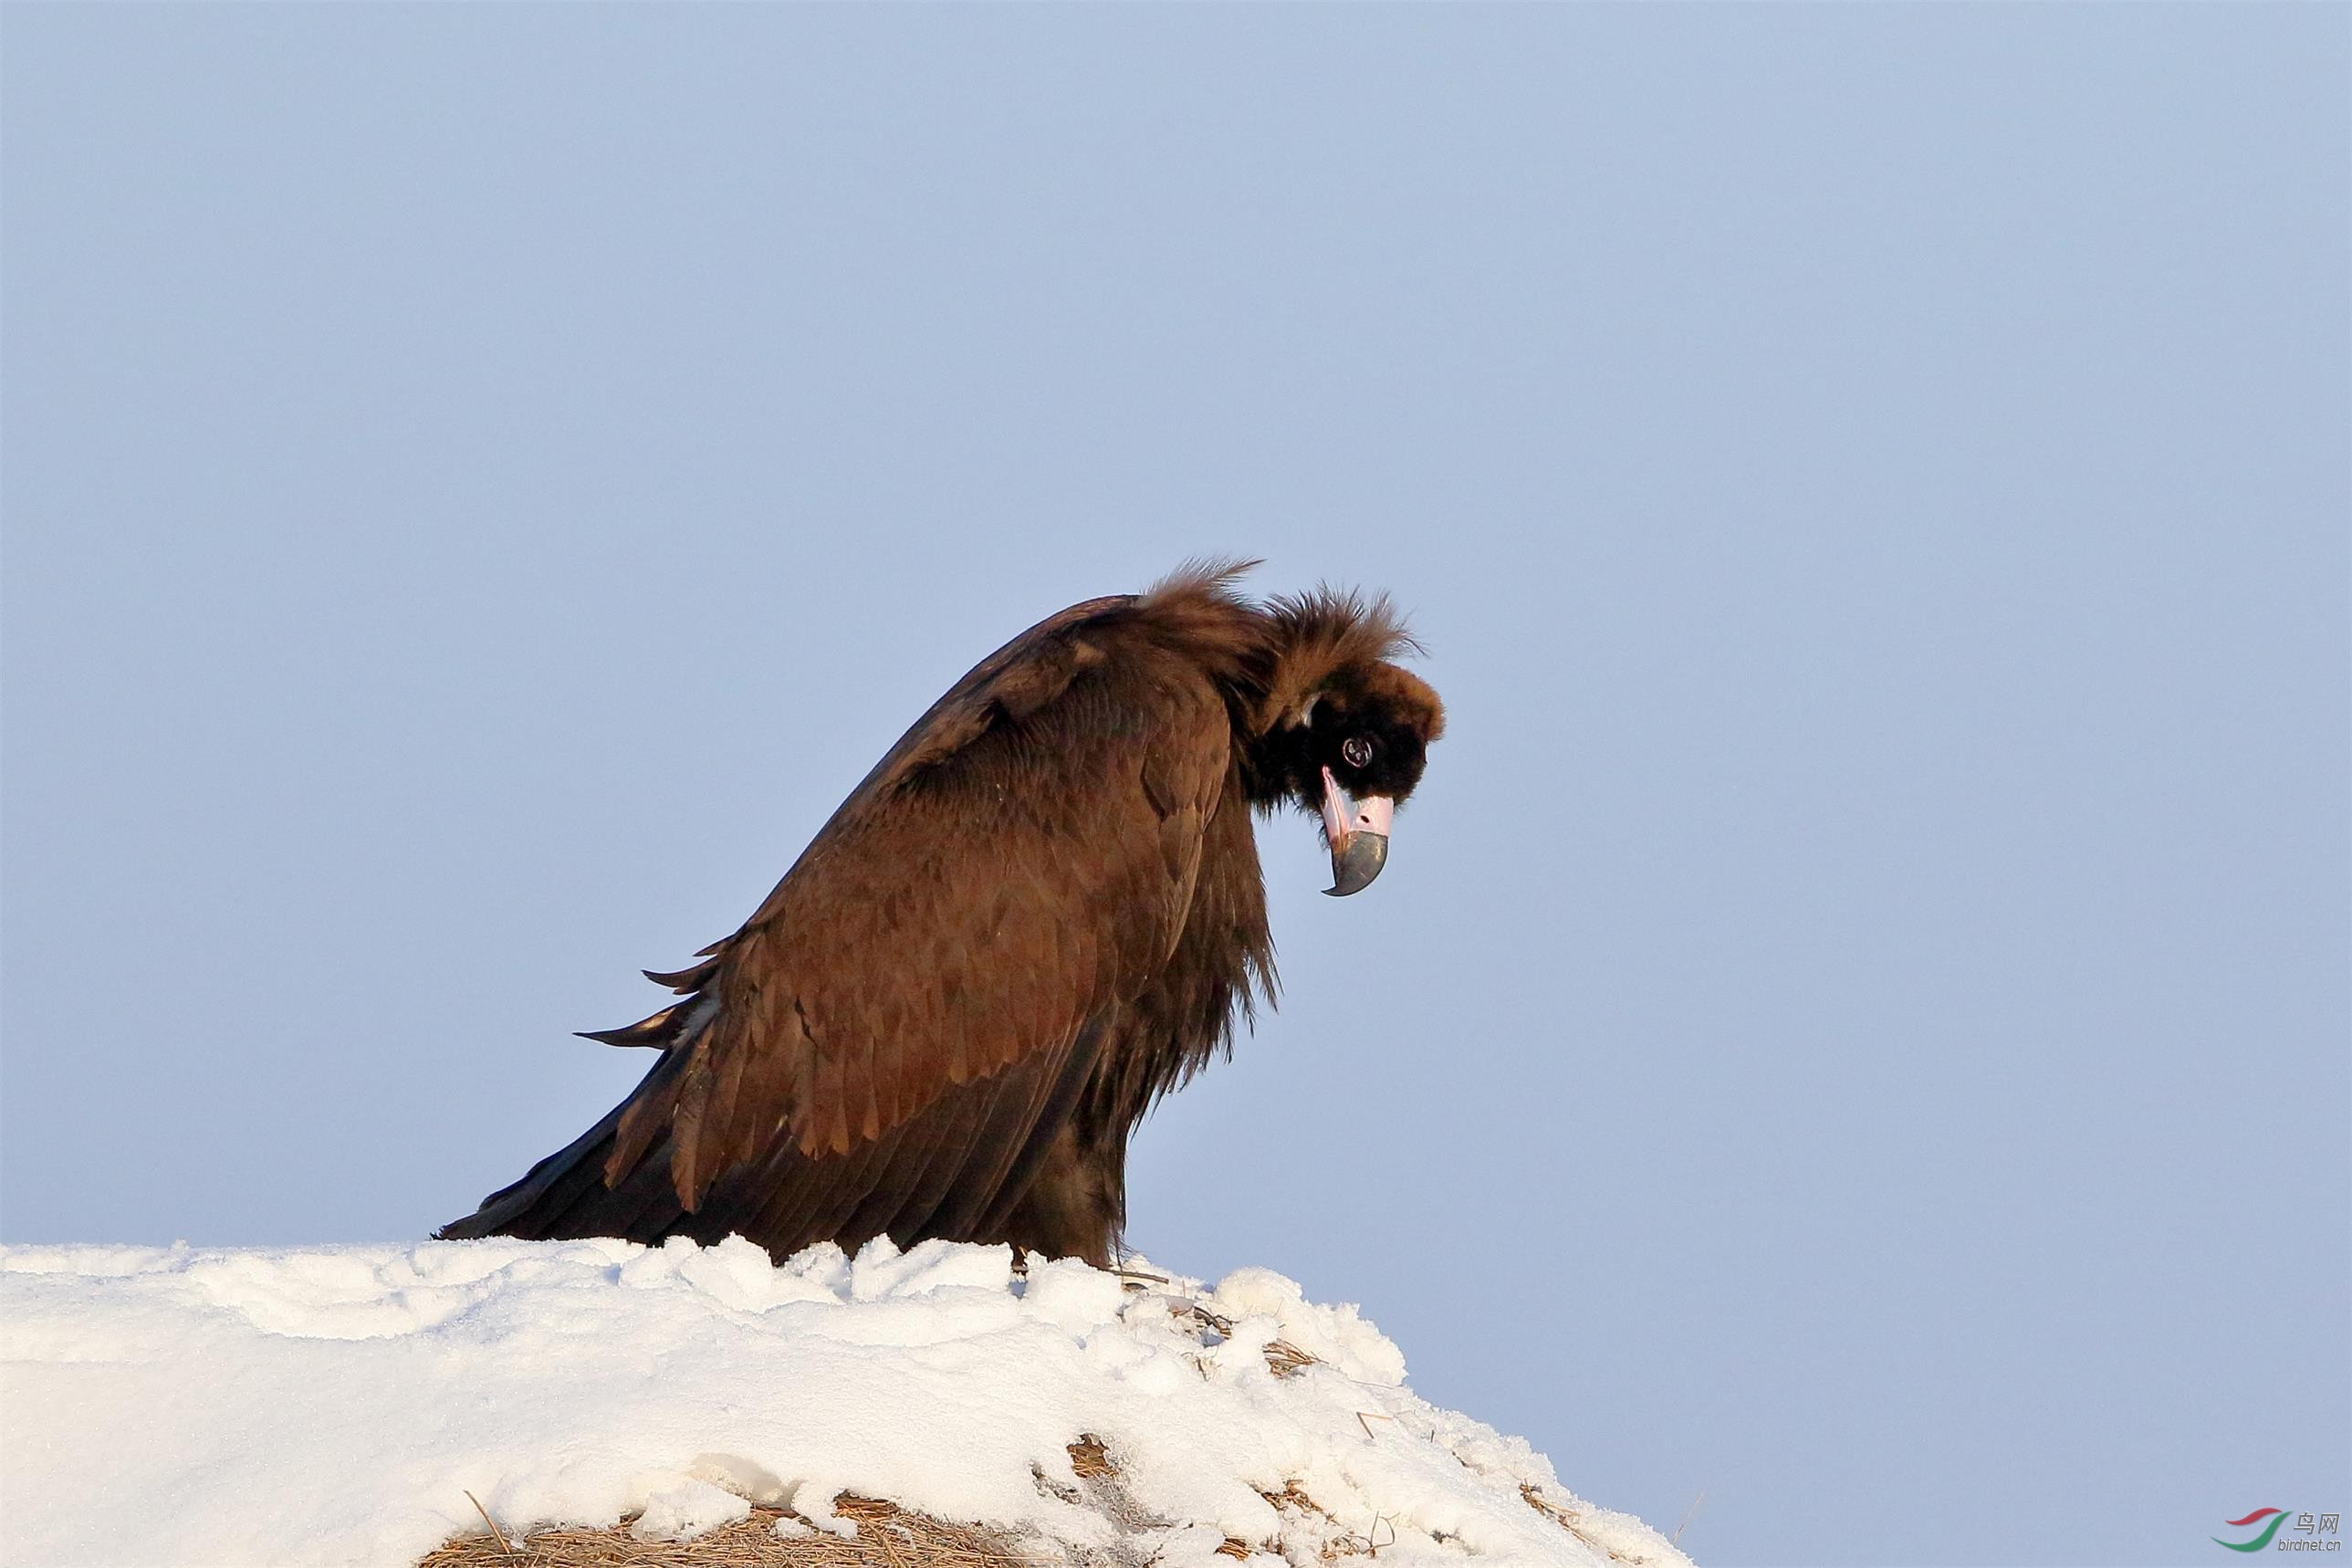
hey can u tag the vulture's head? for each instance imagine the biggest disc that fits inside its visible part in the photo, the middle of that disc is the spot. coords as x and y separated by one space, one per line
1343 733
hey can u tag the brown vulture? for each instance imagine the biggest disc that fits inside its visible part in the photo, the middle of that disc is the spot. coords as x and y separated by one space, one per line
1037 914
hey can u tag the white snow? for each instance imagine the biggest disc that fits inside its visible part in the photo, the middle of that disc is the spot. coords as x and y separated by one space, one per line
332 1405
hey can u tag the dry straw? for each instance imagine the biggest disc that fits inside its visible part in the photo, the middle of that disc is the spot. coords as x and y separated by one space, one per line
888 1537
891 1537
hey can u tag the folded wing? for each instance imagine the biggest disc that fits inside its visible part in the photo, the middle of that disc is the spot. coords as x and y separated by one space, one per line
892 1040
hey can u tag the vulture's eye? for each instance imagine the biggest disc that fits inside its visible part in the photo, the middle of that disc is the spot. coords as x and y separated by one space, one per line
1356 750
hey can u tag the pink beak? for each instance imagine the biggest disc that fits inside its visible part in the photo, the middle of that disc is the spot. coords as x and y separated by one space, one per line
1357 832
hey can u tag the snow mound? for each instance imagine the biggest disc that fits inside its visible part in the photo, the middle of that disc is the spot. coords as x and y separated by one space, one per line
332 1405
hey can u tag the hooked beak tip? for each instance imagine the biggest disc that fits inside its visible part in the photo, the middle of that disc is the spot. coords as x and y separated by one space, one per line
1356 862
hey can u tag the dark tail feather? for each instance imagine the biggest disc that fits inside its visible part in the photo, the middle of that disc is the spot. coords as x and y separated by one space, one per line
563 1195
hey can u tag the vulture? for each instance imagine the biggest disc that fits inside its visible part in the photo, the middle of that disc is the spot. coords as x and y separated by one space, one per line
1039 913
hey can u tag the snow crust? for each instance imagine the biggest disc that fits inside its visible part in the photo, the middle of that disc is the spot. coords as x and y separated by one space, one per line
334 1405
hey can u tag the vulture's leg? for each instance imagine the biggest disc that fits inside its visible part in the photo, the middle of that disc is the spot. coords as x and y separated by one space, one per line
1078 1201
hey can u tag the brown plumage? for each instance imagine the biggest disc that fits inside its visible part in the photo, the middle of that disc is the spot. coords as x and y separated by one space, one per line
1038 913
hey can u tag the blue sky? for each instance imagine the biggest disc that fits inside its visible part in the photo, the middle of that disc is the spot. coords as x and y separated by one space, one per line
1854 1023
